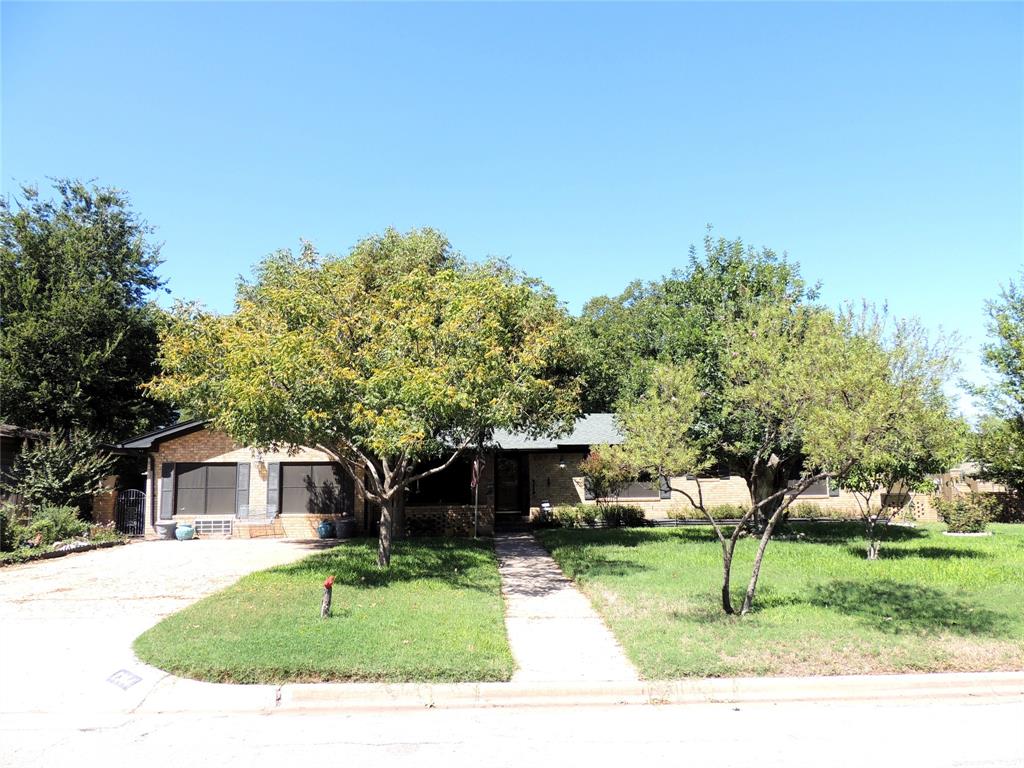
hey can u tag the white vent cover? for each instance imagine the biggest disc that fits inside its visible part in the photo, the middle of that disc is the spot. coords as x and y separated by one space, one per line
215 527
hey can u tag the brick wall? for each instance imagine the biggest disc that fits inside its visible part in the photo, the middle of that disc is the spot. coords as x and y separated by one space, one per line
210 446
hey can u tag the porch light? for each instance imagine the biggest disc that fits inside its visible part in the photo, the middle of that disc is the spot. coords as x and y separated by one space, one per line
561 462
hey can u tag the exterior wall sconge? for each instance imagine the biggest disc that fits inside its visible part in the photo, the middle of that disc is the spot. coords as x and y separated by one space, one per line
561 462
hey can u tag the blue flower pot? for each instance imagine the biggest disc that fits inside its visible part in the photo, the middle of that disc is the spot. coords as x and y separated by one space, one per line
326 529
184 532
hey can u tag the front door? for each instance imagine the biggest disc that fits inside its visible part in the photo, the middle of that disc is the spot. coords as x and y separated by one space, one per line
510 483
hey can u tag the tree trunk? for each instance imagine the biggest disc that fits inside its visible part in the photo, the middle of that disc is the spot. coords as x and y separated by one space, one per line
873 544
386 530
770 480
398 514
726 576
748 599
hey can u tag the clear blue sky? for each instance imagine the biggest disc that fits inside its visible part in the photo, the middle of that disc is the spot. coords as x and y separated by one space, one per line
879 144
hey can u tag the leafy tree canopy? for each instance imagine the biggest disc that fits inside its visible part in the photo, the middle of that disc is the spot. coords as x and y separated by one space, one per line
399 352
77 334
999 443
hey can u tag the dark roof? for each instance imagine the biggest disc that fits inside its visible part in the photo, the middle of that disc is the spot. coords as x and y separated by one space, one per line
590 429
148 440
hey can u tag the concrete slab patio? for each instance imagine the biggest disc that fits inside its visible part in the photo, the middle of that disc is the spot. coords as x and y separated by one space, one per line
554 632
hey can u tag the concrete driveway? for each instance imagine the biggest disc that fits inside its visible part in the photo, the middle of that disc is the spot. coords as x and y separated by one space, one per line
67 625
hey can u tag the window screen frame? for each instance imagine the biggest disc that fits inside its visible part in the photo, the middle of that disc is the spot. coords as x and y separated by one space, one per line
186 467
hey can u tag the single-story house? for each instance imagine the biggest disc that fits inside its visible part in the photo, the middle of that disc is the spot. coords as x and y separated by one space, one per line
199 475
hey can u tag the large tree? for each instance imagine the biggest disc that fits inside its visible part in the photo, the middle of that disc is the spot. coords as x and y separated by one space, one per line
78 332
806 377
999 443
398 354
684 319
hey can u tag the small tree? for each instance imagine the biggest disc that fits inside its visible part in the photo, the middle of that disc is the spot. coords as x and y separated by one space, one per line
998 445
606 471
399 353
802 376
923 438
59 472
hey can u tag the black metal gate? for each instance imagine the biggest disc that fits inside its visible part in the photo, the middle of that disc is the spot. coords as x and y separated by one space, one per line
131 510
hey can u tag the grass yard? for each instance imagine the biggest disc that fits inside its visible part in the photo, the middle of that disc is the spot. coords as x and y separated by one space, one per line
931 603
436 615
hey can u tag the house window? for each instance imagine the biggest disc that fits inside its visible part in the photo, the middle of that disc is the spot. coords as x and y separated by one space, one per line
315 489
205 489
449 486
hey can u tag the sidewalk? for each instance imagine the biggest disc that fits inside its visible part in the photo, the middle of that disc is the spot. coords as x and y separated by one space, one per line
555 634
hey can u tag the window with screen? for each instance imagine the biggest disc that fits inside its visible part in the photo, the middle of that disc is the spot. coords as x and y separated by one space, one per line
205 489
316 489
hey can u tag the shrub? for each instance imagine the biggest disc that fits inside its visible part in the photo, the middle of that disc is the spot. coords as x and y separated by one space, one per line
621 515
965 514
576 516
719 512
12 532
55 472
57 524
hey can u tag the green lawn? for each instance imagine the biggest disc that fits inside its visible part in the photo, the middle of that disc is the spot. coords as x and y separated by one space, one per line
436 615
931 603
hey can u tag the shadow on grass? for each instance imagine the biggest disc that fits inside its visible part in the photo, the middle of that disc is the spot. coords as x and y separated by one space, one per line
896 608
554 538
928 553
459 563
843 532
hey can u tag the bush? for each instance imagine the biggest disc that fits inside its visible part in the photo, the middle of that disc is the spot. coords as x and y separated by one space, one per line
57 524
56 473
12 532
718 512
621 515
576 516
965 514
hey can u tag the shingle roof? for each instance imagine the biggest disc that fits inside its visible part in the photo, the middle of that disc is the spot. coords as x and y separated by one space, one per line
147 440
591 429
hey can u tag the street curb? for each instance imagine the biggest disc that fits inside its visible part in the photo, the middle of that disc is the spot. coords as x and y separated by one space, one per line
349 697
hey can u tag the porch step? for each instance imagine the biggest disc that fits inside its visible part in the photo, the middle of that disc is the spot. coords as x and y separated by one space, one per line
505 523
262 529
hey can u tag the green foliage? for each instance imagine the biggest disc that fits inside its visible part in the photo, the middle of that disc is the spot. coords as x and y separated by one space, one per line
998 446
575 516
966 514
621 515
77 335
58 472
57 524
718 512
607 471
398 353
12 529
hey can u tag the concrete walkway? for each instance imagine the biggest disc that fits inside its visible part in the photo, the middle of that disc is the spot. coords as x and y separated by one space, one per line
555 634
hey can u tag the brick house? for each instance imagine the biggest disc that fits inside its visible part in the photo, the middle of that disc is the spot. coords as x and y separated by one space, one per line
199 475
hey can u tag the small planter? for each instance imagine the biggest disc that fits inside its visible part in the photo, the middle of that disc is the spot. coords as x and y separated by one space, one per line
184 532
325 530
165 529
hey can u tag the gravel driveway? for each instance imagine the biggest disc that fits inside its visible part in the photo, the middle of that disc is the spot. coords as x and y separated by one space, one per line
67 625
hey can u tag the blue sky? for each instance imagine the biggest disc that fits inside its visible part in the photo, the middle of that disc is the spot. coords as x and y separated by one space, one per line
879 144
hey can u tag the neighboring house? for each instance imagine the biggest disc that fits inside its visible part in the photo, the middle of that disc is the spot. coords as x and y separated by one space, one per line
199 475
